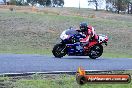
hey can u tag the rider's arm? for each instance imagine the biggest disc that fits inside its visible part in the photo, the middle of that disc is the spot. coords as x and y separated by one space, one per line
86 39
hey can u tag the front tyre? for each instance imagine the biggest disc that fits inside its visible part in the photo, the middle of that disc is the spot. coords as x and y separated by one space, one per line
96 51
59 50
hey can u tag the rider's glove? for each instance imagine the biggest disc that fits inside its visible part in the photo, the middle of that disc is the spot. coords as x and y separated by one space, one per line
84 43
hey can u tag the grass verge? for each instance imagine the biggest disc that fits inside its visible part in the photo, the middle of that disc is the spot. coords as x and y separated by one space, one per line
53 81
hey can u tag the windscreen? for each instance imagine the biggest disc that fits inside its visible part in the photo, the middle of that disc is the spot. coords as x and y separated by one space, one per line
71 32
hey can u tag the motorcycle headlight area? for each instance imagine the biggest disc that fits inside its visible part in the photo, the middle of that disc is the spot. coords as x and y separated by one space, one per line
64 36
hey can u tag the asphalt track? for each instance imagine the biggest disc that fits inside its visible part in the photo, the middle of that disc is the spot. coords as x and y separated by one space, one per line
20 63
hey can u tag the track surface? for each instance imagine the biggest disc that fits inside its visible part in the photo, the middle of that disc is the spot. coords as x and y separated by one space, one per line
20 63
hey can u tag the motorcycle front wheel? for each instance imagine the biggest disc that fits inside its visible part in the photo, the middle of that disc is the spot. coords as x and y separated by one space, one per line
96 51
59 50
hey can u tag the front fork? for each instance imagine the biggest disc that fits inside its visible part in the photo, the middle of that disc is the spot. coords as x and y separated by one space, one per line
63 50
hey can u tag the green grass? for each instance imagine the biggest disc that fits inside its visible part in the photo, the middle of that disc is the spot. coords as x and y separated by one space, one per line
52 81
28 51
116 55
37 33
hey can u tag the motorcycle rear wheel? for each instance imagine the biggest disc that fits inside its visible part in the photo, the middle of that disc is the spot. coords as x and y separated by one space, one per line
57 50
96 51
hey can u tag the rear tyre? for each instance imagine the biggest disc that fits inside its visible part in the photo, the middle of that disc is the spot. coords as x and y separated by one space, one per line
59 50
96 51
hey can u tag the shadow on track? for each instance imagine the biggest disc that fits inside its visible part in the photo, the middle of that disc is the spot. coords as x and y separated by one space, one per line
78 58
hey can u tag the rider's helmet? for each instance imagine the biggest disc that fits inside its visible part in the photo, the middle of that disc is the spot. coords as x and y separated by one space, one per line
83 26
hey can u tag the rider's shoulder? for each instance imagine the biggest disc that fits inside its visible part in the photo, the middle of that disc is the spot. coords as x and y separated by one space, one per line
90 26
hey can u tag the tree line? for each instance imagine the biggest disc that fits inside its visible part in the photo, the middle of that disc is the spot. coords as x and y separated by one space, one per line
117 6
52 3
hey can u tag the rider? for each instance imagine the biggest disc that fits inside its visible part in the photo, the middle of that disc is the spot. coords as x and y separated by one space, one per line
88 31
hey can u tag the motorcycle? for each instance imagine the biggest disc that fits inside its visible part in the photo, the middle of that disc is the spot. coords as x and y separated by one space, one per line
71 46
